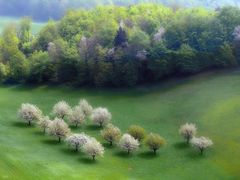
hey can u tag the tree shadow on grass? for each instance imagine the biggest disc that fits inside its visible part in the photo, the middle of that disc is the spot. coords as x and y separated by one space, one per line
148 155
21 125
195 155
108 146
71 152
86 160
93 128
181 145
39 133
51 142
122 154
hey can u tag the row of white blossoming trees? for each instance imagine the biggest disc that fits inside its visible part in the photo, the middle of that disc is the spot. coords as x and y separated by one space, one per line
79 114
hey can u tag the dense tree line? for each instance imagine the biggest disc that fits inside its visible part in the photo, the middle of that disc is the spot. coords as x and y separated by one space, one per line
43 10
121 46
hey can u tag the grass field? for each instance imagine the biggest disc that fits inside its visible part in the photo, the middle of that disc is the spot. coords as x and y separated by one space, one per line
210 100
4 21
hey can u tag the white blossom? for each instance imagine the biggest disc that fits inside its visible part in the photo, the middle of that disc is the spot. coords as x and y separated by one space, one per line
201 143
236 33
58 128
141 55
77 140
159 35
128 143
76 116
101 116
93 148
44 123
52 51
188 131
29 113
61 109
86 107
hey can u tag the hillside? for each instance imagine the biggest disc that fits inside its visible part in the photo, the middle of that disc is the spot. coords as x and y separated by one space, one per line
42 10
211 101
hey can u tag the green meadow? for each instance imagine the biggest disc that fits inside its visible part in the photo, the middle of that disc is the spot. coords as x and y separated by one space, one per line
211 100
4 21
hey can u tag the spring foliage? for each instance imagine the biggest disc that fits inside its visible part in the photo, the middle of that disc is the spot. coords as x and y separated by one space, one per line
58 128
93 148
86 107
29 113
201 143
101 116
155 142
44 123
137 132
128 143
77 141
111 134
61 109
188 131
76 116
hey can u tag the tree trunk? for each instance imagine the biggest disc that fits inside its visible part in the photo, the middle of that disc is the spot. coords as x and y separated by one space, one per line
76 148
128 151
111 143
93 157
201 151
29 123
155 151
59 139
44 130
76 125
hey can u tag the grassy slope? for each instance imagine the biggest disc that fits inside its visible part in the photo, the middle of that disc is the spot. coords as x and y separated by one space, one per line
4 21
212 101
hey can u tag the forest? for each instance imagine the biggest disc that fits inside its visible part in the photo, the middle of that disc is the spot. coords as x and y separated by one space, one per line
43 10
121 46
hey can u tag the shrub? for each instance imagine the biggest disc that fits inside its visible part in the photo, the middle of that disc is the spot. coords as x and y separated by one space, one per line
137 132
111 134
155 142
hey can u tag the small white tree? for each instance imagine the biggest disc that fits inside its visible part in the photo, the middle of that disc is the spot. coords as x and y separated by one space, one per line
188 131
76 116
58 128
86 107
236 33
77 140
29 113
128 143
93 148
101 116
159 35
201 143
44 123
61 109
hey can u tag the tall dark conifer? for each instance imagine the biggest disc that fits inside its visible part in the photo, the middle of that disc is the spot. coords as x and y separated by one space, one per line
121 38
